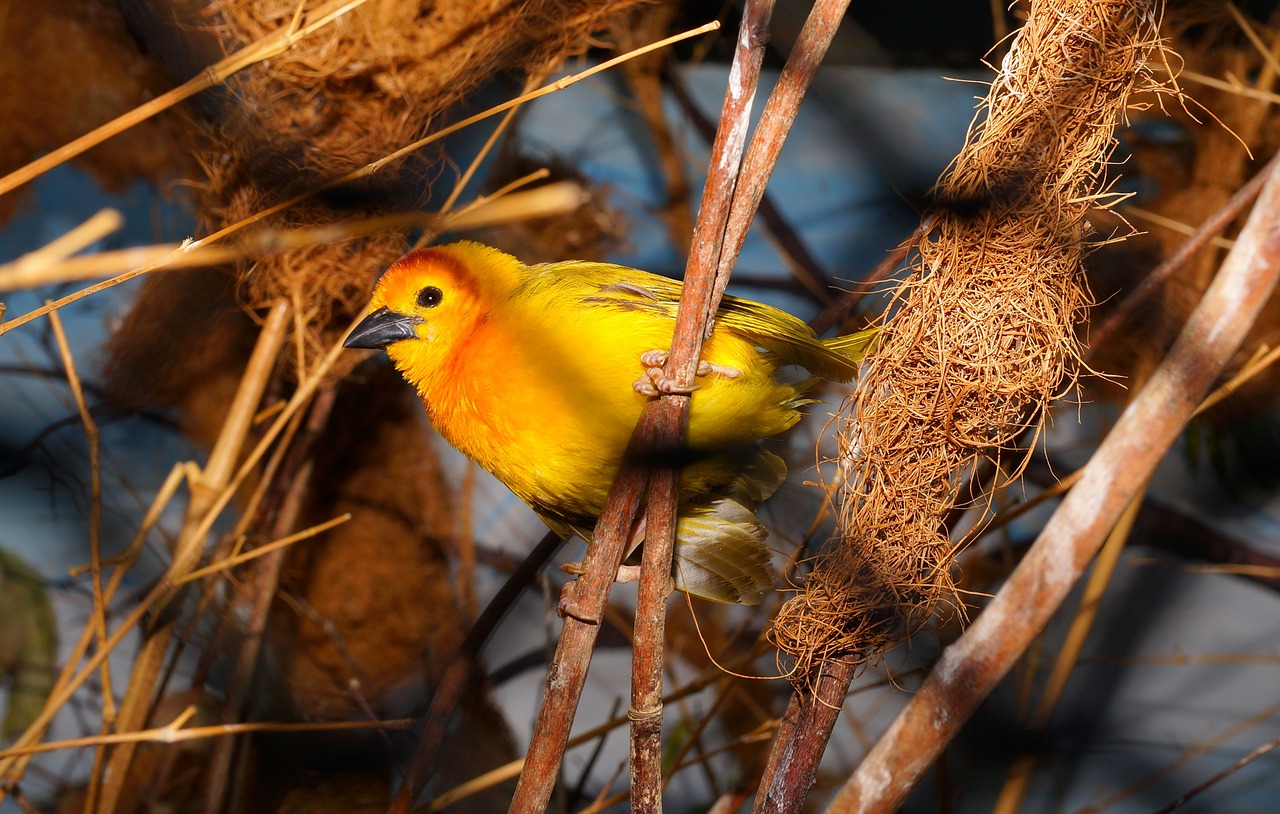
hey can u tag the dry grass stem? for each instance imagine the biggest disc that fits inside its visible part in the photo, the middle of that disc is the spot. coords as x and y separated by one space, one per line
267 548
19 273
174 733
268 47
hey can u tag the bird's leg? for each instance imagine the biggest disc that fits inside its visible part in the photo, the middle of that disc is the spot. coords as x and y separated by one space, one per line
655 381
626 573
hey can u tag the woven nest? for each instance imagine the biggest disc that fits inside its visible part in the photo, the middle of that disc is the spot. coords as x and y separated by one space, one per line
983 335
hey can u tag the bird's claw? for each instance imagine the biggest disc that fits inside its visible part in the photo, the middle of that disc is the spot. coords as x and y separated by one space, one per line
655 381
568 605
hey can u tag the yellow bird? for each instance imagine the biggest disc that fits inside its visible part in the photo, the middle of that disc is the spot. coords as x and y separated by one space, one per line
539 374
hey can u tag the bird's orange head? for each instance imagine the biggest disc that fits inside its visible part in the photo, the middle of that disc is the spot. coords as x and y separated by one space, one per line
430 302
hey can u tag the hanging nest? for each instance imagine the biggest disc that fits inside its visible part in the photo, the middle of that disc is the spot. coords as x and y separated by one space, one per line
983 335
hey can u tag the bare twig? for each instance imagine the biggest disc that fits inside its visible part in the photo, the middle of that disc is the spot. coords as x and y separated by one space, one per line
1105 330
1222 775
456 679
801 741
970 668
174 733
704 282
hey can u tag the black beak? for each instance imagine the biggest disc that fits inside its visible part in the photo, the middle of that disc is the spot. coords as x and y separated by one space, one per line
381 328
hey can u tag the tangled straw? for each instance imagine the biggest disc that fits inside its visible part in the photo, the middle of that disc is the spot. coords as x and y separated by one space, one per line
982 335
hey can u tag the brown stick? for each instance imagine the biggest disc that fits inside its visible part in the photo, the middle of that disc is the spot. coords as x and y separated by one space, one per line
454 683
801 741
779 114
971 667
704 283
583 606
1099 336
804 266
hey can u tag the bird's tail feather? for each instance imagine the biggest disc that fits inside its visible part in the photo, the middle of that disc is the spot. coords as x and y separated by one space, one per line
720 551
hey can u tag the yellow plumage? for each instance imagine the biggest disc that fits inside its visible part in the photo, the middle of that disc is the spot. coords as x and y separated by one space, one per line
529 370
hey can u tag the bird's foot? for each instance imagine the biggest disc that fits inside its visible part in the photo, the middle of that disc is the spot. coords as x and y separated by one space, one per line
655 381
568 606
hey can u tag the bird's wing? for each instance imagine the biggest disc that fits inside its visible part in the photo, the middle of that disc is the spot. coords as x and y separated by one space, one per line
788 338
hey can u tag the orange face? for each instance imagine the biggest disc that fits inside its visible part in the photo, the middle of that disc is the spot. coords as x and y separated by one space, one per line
429 305
429 295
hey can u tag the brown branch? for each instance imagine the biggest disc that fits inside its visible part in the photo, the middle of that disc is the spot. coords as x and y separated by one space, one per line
1222 775
802 740
1211 228
971 667
704 283
456 679
583 607
804 266
660 427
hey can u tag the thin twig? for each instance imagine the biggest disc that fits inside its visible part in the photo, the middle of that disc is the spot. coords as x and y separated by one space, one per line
1222 775
970 668
98 226
583 607
455 681
704 281
1100 335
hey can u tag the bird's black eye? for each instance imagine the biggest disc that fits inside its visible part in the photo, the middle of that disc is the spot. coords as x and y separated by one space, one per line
430 297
